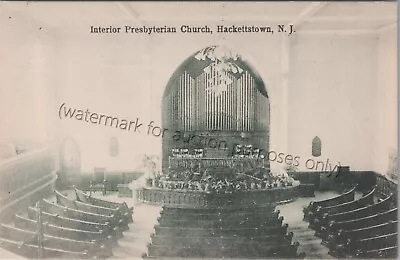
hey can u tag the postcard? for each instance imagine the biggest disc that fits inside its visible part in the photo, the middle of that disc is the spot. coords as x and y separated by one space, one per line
187 130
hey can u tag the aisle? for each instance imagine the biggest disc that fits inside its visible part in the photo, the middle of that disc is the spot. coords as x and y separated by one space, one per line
293 215
135 240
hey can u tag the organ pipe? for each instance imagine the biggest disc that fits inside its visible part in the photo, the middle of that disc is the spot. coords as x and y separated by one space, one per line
245 104
243 101
251 103
207 100
193 105
185 87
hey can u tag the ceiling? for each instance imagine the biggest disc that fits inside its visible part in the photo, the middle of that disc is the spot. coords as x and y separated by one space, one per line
306 16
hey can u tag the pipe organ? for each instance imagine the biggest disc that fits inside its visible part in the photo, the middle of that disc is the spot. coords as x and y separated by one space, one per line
216 94
240 108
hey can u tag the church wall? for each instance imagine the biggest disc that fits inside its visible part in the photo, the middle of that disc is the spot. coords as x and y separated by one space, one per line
331 86
28 82
96 77
332 95
21 88
130 83
125 76
385 141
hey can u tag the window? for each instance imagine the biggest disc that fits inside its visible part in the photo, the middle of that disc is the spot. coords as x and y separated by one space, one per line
316 147
114 147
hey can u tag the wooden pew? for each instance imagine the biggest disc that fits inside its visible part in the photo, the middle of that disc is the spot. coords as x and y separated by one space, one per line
29 237
74 204
306 190
122 207
31 251
222 241
343 236
381 206
239 250
387 252
67 222
368 221
315 218
265 209
345 197
59 231
83 215
221 223
352 247
225 216
211 232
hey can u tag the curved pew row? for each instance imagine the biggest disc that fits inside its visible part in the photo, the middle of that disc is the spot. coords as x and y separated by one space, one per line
246 250
60 220
379 207
211 232
343 236
364 222
343 198
78 205
221 223
226 216
28 250
215 217
221 241
58 243
54 208
315 217
123 208
265 209
354 246
387 252
59 231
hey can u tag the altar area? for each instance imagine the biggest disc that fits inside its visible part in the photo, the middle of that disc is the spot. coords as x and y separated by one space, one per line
219 182
237 199
220 207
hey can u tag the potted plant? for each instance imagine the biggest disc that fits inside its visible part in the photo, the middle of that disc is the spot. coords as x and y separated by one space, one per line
149 162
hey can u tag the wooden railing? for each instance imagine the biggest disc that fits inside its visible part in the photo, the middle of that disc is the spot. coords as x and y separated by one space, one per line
22 170
24 179
4 201
385 186
199 199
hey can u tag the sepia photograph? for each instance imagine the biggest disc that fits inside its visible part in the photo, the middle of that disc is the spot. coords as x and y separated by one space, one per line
199 130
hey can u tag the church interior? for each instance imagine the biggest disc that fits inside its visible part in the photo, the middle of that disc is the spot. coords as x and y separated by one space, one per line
188 144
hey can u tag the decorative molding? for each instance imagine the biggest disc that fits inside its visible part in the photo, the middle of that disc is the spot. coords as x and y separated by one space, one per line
307 12
388 27
341 32
220 56
128 9
351 19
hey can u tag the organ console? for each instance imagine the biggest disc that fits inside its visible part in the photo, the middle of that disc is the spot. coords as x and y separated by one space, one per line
247 151
185 153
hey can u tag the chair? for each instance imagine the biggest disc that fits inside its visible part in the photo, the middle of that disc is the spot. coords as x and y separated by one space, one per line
99 182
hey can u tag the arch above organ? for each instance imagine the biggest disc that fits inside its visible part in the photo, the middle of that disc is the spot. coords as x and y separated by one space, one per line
206 56
215 89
